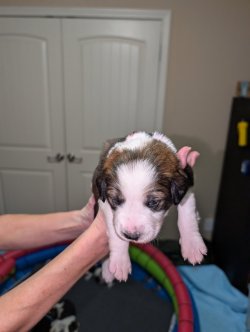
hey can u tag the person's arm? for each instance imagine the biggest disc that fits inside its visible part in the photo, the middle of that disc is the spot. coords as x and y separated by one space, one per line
23 231
22 307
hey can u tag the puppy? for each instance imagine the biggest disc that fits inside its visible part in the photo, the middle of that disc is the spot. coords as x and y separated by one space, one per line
137 180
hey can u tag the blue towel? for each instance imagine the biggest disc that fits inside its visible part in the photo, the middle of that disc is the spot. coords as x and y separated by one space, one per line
220 306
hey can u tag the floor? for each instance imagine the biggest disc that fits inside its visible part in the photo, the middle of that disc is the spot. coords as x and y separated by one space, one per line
124 307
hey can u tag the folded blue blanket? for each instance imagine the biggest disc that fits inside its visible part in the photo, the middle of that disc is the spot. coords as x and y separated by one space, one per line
220 306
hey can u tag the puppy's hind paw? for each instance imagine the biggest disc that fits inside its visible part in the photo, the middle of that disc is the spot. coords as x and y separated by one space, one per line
193 249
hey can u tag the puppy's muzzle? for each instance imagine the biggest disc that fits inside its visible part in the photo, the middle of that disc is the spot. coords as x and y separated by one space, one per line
135 236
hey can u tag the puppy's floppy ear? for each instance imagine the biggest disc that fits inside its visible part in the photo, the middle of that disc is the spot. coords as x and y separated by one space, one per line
101 187
180 184
99 184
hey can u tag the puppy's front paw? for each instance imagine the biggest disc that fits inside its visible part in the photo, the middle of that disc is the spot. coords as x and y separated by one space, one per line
120 267
107 276
193 248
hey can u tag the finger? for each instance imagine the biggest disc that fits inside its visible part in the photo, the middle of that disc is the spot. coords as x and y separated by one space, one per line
191 158
88 210
182 155
91 202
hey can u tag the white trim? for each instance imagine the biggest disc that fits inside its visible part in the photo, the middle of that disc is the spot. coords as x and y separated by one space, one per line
83 12
65 12
163 70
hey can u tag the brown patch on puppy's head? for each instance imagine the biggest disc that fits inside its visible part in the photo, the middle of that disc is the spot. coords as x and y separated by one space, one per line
171 182
171 178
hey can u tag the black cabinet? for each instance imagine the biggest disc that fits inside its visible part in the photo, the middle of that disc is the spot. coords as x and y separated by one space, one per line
231 236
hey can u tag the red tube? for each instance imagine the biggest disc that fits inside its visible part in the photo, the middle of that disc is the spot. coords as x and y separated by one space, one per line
6 267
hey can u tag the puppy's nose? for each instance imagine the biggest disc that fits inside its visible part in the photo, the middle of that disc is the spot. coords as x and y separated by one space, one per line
132 236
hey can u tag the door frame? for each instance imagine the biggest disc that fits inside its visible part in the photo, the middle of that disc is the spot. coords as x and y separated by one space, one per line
164 16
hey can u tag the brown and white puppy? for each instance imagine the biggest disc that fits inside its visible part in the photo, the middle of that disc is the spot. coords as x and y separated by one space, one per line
136 182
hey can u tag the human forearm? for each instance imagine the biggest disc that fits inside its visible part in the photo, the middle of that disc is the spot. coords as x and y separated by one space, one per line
25 305
29 231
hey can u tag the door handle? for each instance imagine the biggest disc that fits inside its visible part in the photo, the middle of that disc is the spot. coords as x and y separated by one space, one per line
55 159
73 159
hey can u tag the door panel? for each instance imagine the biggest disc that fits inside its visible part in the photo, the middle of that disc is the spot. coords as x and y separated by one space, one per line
31 122
110 71
111 76
22 58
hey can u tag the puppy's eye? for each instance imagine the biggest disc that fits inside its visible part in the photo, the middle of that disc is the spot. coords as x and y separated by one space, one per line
115 202
153 204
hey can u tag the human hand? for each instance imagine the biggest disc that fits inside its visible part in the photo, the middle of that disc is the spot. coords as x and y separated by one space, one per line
98 229
87 212
187 156
87 216
99 223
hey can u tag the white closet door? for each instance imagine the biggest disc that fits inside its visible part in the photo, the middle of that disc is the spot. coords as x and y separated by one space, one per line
31 124
111 80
